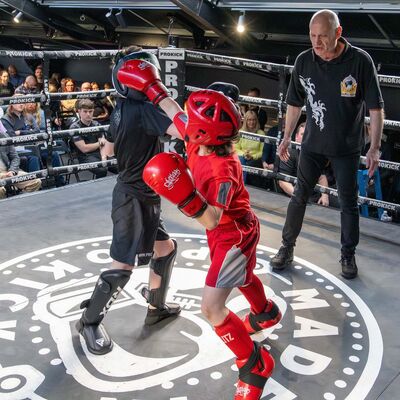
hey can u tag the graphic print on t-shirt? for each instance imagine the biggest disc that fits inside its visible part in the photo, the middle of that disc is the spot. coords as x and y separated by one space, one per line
317 106
348 87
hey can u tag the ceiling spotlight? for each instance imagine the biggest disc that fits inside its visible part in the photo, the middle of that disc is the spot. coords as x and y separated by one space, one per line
240 25
111 18
120 18
17 16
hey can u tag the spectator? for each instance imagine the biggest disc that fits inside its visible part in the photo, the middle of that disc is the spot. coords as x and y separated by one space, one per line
15 79
15 125
290 167
95 86
10 166
109 101
56 79
100 111
68 106
250 151
261 113
56 121
39 77
88 147
63 81
6 88
28 87
335 106
269 149
35 121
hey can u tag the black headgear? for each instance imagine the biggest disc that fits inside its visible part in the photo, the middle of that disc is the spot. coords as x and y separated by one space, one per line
119 60
228 89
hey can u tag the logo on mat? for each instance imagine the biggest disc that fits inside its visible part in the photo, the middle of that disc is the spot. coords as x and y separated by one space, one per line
322 346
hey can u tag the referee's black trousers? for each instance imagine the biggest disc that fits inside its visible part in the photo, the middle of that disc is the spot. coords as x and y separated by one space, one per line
309 170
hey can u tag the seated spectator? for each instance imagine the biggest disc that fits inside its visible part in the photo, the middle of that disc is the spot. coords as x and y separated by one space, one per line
261 113
15 79
269 149
88 147
35 121
95 86
68 105
109 101
6 88
100 113
56 79
28 87
10 166
62 84
290 168
56 121
39 77
250 151
15 125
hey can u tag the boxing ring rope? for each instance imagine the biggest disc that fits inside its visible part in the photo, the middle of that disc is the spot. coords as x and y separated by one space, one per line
49 135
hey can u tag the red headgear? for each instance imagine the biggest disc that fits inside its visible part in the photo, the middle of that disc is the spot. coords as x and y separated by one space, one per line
213 118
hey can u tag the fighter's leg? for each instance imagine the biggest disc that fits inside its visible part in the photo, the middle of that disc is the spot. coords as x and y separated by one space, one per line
264 313
161 264
107 289
127 233
253 360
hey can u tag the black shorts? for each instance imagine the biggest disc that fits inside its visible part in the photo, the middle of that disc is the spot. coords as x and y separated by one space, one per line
136 225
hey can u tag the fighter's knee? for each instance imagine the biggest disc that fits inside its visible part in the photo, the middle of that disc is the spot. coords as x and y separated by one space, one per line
163 248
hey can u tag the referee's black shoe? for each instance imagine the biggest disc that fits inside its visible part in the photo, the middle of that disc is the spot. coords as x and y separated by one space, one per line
282 258
349 266
155 315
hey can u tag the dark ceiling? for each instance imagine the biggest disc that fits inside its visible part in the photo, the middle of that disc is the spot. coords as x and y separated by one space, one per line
275 31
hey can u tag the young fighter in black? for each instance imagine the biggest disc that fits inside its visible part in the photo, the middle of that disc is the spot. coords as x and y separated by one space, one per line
139 235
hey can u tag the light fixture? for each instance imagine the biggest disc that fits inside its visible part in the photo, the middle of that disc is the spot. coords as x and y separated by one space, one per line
240 25
120 18
17 16
111 18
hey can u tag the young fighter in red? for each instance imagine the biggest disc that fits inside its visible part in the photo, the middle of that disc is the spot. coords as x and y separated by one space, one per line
210 127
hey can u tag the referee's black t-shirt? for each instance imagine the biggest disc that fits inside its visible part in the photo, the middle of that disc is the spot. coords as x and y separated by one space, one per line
336 93
135 127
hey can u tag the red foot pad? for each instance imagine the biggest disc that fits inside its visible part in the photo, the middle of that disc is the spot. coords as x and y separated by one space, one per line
254 373
257 322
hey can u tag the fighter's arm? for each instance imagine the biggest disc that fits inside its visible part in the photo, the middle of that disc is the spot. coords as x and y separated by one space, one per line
175 114
168 175
211 217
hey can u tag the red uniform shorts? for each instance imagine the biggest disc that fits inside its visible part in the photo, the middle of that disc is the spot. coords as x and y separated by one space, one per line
233 252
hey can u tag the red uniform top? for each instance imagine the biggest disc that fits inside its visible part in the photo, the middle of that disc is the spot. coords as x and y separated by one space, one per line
220 181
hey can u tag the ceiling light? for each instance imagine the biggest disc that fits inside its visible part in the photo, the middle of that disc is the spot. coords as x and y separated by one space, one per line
17 16
111 18
120 18
240 25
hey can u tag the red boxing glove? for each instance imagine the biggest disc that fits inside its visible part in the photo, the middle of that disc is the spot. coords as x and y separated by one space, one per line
168 175
143 77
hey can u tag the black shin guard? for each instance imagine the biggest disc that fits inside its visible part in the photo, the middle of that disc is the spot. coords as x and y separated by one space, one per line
108 287
162 266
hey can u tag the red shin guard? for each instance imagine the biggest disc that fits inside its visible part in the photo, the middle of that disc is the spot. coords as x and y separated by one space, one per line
253 373
257 322
234 334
